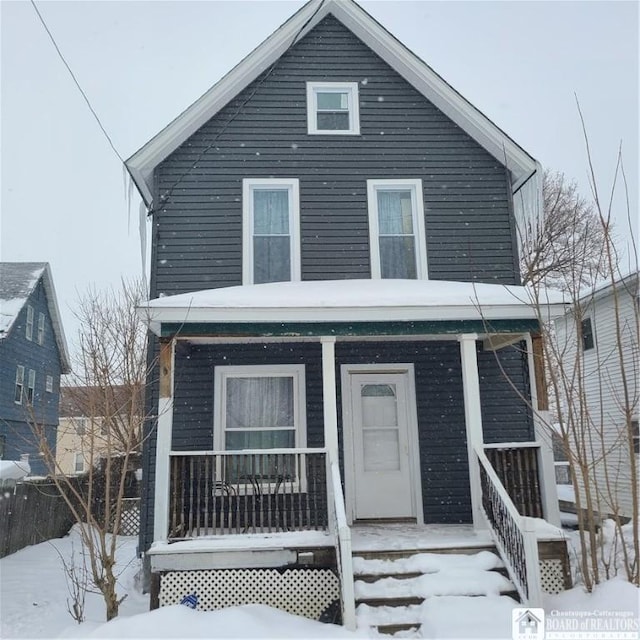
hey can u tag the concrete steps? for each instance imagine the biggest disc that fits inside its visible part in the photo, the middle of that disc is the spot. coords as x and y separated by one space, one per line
392 586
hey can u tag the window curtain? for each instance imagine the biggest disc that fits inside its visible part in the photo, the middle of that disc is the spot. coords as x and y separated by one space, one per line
260 413
396 235
271 241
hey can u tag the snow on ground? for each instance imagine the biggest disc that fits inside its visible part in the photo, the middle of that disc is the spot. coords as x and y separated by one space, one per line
33 604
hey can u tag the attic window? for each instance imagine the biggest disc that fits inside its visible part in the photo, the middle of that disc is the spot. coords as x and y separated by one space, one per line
332 108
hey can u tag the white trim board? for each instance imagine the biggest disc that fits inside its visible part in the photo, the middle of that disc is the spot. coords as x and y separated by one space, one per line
421 76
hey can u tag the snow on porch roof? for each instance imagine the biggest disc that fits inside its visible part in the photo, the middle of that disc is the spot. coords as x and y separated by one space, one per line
346 301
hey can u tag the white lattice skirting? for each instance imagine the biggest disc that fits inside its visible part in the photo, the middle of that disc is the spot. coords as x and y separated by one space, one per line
552 576
303 592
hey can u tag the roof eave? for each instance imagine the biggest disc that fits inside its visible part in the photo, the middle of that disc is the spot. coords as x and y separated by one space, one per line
155 316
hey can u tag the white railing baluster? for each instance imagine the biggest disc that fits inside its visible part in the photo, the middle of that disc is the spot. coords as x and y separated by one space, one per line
514 535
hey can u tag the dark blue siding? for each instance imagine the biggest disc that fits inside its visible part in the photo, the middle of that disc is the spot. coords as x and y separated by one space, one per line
263 133
44 359
440 405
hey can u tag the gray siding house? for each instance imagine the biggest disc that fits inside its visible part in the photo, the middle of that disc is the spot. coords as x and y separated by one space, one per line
339 328
599 342
33 356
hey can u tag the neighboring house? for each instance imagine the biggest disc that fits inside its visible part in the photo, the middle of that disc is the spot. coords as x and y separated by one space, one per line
33 356
88 429
607 368
335 292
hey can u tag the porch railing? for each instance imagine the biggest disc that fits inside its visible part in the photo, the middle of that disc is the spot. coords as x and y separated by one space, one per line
265 490
514 534
517 467
342 534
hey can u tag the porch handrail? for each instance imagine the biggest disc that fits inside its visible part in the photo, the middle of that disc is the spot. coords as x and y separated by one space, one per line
514 535
342 533
235 452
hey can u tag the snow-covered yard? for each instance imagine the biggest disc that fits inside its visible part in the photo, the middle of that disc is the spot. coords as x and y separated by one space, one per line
33 596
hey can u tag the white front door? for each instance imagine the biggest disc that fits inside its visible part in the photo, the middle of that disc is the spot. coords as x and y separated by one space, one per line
380 426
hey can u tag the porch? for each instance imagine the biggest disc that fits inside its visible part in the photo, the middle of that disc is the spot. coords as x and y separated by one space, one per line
356 366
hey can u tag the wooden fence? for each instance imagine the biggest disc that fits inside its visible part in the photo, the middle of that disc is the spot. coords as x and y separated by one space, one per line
31 512
34 511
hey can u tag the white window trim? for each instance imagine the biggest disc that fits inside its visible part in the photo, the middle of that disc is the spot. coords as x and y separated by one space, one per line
415 185
31 386
29 326
41 328
19 382
312 107
293 186
49 384
296 371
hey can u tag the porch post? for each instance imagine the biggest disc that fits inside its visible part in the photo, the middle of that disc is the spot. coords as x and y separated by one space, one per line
542 428
163 441
473 420
329 402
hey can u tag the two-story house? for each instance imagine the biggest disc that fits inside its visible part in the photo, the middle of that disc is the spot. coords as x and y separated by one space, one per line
598 340
341 335
33 356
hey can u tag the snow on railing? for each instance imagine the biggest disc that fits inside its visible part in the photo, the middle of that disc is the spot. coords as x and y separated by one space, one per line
339 527
514 535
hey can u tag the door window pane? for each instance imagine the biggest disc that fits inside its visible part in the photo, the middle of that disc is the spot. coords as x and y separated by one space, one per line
381 450
379 405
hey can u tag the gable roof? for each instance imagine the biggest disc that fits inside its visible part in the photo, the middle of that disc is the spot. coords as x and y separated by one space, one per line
420 75
18 280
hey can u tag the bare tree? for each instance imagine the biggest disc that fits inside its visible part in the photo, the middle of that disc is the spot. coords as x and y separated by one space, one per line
109 383
563 248
595 395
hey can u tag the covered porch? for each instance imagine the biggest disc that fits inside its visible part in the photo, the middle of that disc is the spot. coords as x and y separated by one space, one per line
316 484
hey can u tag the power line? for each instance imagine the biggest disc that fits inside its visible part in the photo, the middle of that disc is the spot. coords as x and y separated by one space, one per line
84 95
164 198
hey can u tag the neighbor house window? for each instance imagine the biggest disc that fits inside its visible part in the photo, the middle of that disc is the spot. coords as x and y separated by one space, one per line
49 384
635 434
271 230
396 229
332 108
588 340
260 407
41 328
31 385
3 446
78 466
29 329
19 384
80 425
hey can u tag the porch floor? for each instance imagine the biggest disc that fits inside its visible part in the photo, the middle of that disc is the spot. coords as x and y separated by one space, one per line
401 536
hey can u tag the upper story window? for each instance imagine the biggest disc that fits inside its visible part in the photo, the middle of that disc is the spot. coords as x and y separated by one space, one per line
29 329
78 463
396 229
19 384
332 108
271 230
31 386
588 338
49 384
41 328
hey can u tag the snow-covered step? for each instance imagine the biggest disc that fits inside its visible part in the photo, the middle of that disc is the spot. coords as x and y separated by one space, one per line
394 590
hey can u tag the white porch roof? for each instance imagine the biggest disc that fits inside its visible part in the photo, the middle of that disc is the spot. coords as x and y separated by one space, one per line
348 301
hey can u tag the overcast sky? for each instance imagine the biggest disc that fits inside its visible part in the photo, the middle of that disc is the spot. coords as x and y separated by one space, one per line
142 63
